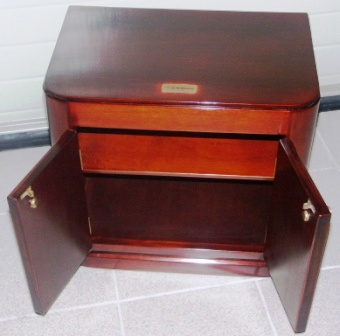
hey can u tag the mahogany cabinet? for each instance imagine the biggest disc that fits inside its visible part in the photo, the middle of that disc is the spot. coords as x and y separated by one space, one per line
180 140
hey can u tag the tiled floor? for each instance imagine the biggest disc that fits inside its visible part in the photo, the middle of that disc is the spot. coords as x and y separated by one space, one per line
127 303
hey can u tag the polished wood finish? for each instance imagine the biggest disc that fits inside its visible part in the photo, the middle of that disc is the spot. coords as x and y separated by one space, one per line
203 177
301 130
60 120
294 247
224 226
181 210
236 59
178 118
254 72
164 263
177 256
177 248
53 238
172 154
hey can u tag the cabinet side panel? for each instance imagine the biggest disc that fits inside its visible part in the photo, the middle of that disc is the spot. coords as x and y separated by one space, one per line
302 129
58 118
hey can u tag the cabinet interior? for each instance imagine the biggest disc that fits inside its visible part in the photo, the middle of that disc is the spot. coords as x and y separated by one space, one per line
143 197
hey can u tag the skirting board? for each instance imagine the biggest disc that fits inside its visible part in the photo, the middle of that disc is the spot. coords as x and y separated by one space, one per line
24 139
42 137
330 103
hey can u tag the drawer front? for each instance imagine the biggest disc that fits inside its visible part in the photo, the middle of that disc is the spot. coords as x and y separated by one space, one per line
179 118
176 155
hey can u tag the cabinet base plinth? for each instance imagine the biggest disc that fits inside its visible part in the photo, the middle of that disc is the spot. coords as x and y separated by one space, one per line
159 263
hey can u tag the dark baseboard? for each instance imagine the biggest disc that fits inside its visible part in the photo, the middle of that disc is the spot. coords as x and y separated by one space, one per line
25 139
42 138
331 103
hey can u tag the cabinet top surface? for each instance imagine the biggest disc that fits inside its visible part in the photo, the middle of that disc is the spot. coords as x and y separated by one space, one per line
152 56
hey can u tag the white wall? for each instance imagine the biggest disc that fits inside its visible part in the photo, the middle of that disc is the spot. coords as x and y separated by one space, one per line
29 29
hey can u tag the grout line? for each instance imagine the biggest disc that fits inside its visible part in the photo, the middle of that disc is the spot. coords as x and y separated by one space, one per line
13 318
86 306
263 300
118 304
59 310
321 169
328 268
10 318
118 301
186 290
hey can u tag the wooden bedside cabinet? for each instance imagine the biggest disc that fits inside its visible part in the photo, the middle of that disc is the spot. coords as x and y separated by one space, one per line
180 140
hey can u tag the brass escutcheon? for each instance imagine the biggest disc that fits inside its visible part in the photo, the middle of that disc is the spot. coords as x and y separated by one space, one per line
30 193
306 215
308 210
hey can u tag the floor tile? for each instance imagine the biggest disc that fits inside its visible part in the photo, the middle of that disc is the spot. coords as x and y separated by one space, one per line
137 284
325 312
88 286
328 183
16 164
96 321
229 310
15 299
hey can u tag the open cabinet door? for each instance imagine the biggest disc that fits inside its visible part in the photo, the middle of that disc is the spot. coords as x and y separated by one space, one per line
297 235
49 213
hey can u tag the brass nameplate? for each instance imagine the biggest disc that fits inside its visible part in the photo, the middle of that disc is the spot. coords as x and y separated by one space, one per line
179 88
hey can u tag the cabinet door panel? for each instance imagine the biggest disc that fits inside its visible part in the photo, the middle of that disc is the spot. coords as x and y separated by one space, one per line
295 245
51 225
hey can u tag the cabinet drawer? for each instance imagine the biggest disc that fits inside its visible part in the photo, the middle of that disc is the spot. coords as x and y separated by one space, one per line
178 155
178 118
